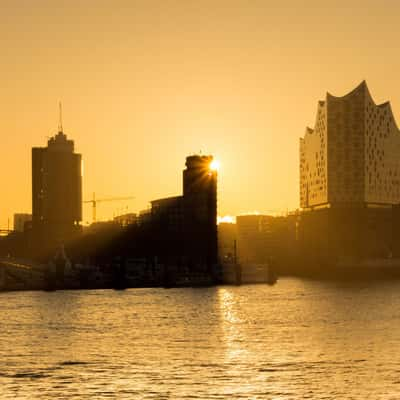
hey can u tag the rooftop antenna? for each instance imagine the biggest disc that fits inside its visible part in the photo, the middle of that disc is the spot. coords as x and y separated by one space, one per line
60 127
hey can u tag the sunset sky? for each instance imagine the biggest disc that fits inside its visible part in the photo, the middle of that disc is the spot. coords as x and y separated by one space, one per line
146 83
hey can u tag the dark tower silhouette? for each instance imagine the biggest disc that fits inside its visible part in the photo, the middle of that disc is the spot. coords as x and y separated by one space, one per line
200 211
56 193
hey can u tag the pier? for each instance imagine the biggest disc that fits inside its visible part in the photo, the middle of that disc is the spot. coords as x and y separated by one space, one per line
18 274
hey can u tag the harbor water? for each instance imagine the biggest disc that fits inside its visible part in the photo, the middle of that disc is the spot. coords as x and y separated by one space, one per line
296 339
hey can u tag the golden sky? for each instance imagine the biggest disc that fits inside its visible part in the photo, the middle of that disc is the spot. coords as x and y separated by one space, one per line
145 83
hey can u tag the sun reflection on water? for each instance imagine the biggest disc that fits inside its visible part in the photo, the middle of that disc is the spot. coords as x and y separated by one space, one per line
231 323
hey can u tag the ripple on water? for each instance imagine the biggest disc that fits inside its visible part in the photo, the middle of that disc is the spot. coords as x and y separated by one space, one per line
299 339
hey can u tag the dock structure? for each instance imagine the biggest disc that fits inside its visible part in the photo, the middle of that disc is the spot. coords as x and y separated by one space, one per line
18 274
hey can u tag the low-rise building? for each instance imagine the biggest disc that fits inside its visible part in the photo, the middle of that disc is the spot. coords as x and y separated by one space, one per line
126 219
20 220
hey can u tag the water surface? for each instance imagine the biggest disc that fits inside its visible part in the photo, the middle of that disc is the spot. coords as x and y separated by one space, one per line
297 339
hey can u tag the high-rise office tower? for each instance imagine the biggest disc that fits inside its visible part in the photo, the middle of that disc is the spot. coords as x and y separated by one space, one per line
200 209
56 192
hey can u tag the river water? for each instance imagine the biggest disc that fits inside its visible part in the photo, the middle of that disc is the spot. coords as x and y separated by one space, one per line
297 339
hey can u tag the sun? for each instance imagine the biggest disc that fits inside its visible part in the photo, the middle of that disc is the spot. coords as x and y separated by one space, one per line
214 165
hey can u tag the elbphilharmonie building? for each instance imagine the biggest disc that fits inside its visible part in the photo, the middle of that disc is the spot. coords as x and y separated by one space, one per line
352 155
350 182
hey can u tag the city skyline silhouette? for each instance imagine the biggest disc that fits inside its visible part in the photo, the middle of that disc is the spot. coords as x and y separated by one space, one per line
160 81
200 199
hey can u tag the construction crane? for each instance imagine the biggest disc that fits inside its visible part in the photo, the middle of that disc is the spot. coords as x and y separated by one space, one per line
94 202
